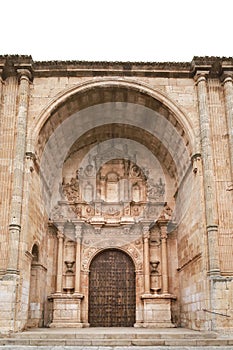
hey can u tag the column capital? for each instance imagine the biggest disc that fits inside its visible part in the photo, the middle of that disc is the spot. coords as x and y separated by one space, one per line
24 73
162 222
163 228
146 231
163 234
78 231
1 73
201 76
60 235
226 77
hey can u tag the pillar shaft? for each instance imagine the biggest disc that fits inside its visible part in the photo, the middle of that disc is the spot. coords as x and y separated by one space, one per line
18 170
146 237
1 84
78 259
164 263
60 238
228 92
208 175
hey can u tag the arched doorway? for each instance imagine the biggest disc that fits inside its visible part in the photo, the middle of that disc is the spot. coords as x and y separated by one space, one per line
37 290
112 290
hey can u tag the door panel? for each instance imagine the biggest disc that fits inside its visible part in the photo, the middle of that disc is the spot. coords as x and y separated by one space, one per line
112 290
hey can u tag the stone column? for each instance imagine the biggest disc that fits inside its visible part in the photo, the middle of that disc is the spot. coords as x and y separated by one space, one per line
228 92
146 237
18 170
78 235
208 174
164 263
1 84
60 237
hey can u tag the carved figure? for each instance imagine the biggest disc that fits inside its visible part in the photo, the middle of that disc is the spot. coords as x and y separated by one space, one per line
155 190
71 190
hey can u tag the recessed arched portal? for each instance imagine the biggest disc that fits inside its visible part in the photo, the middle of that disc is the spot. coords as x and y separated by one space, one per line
112 290
83 130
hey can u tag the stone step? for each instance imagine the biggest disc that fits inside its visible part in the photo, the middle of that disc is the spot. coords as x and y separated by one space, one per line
114 337
116 342
113 333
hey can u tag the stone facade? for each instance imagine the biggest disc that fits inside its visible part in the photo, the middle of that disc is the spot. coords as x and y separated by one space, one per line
126 157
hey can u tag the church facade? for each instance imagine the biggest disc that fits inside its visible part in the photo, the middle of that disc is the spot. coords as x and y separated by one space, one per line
116 194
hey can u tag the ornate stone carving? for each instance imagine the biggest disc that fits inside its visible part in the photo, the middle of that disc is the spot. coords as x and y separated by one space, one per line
166 213
69 265
155 191
71 190
155 276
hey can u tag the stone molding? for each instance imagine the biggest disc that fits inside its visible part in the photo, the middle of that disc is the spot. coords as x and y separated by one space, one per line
187 129
105 68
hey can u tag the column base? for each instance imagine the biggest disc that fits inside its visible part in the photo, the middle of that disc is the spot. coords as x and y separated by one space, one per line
157 311
66 310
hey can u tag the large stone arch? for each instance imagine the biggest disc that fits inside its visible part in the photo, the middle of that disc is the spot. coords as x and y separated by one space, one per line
97 103
105 90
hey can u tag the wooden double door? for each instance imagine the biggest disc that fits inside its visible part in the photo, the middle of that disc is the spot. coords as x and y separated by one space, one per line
112 290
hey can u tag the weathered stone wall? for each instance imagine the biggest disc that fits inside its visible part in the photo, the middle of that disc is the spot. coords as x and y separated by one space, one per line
191 248
221 302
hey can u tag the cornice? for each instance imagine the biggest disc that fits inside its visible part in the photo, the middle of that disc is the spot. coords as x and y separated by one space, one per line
105 68
12 64
213 65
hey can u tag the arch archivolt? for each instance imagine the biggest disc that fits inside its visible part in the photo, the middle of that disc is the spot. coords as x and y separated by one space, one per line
107 102
84 95
133 249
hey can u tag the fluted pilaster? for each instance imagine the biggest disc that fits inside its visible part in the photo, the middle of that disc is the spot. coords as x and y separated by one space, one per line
228 93
78 235
7 136
18 169
208 174
164 263
146 246
1 85
60 237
